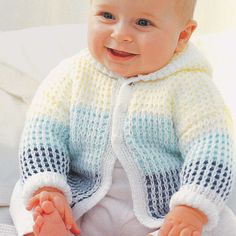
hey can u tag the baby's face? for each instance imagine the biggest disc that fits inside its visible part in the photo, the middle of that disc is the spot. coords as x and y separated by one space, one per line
132 37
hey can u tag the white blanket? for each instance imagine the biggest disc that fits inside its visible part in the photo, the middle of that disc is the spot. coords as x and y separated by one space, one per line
7 230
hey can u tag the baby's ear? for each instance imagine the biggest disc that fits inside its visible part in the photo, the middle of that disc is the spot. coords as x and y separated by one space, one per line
185 35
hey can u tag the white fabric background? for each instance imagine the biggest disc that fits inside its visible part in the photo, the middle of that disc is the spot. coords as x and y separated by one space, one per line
212 15
18 14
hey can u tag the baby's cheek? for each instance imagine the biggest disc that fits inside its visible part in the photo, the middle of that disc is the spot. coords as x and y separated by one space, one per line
96 42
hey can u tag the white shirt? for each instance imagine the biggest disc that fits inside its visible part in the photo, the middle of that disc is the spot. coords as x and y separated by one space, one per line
114 214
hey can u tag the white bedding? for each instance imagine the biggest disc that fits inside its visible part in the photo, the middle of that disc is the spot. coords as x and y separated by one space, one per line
5 216
7 230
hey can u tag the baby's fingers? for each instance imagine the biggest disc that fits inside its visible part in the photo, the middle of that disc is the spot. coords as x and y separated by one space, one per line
70 222
186 232
44 196
75 229
33 202
68 217
196 233
166 228
37 199
38 223
37 212
60 206
36 230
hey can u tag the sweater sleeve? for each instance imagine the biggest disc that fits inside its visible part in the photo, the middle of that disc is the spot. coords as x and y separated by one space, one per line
43 153
205 133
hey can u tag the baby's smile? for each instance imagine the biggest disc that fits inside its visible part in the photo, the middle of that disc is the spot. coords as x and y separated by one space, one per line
120 55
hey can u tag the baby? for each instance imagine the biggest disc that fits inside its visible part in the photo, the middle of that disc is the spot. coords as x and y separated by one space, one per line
130 135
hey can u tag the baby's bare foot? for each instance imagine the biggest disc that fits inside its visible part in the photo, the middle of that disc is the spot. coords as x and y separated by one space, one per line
48 221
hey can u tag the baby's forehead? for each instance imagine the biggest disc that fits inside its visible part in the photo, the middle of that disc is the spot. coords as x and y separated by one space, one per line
153 5
179 8
135 3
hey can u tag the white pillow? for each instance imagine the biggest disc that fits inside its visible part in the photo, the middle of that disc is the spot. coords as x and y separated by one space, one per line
35 51
26 58
16 91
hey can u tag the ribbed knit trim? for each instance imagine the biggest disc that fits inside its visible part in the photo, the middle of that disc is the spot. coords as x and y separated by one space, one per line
45 179
190 198
122 152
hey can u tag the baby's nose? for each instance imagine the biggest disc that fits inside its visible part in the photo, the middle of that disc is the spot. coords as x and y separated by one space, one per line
121 33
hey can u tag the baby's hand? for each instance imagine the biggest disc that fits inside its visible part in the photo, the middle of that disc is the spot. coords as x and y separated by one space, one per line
60 203
183 221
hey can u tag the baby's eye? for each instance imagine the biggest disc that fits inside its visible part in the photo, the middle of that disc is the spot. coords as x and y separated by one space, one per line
107 15
143 22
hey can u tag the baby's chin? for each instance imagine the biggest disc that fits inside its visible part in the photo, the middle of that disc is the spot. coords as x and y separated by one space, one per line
125 74
124 70
128 73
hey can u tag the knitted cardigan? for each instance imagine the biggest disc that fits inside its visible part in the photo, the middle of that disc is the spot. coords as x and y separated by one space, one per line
170 130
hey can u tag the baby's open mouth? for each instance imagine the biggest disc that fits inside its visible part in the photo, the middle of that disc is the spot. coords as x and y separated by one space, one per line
120 53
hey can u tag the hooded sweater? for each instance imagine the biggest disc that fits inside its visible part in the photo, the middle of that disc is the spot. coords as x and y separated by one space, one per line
170 130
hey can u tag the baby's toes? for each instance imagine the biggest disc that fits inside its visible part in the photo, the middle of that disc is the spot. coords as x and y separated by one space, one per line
37 212
48 207
38 209
39 221
36 215
38 224
36 230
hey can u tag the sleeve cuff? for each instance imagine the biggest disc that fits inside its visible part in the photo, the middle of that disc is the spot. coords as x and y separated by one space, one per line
188 197
50 179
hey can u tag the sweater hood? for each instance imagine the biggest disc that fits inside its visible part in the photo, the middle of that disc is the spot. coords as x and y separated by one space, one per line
190 59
